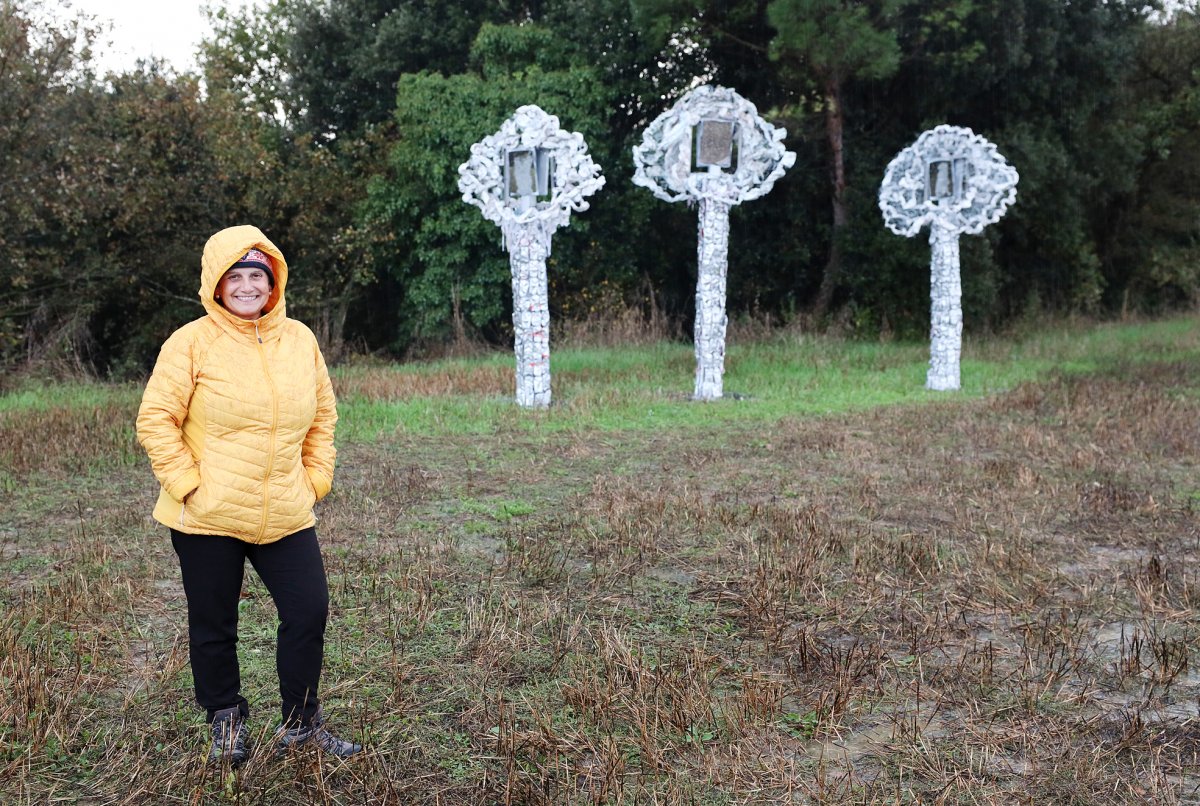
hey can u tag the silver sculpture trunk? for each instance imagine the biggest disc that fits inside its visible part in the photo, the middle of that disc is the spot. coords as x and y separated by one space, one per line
713 265
528 248
946 320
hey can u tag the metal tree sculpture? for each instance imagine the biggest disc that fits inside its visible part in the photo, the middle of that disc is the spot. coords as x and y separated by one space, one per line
955 181
713 148
527 178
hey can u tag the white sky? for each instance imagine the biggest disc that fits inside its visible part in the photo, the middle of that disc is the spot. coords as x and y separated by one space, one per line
170 29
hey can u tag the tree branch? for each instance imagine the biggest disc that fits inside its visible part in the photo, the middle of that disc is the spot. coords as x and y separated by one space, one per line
734 38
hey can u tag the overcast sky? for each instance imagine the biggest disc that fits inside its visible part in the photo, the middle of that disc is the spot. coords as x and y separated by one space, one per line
173 28
170 29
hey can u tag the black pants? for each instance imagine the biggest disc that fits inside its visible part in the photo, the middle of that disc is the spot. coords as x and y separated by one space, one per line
293 572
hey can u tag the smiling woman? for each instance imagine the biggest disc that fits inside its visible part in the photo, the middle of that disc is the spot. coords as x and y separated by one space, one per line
138 30
237 419
245 288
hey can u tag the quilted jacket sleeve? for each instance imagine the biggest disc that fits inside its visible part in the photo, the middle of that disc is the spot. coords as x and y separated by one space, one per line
161 415
318 452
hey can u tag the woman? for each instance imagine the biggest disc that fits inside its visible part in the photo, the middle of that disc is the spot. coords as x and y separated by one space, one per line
237 420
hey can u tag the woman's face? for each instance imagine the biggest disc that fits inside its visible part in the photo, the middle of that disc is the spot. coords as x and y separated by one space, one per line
244 291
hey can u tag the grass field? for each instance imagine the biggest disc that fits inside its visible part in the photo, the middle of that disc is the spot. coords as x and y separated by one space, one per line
835 588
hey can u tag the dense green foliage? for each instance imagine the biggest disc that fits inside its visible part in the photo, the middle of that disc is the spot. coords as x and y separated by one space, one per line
338 128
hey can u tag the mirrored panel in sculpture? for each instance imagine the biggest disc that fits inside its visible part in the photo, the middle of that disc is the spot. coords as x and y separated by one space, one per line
714 144
939 181
945 179
962 168
545 174
520 173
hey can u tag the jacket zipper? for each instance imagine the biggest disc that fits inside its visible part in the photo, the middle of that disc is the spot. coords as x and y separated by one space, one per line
266 501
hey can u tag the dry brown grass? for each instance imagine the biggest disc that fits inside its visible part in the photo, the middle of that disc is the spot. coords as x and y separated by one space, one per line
66 439
609 321
966 602
449 380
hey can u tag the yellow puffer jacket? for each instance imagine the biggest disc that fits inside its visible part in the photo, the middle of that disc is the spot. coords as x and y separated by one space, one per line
238 416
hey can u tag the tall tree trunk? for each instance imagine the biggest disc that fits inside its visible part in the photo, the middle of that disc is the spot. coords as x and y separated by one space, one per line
330 324
834 125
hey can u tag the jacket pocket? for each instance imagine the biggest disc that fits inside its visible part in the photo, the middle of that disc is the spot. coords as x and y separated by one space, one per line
196 503
308 487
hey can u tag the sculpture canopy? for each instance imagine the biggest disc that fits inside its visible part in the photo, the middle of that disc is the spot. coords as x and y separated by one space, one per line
674 157
951 177
539 143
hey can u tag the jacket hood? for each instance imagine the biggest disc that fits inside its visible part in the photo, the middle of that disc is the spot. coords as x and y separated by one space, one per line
221 252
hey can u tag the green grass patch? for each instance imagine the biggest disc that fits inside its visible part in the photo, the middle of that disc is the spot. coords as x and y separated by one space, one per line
649 388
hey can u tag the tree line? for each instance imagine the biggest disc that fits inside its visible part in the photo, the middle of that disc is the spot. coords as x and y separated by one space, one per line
337 126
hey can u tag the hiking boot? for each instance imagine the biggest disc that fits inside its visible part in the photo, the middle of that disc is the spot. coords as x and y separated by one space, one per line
230 738
314 735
